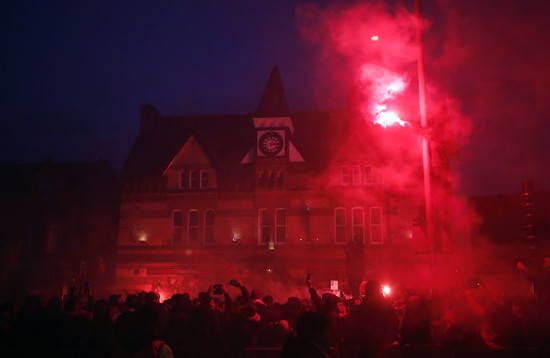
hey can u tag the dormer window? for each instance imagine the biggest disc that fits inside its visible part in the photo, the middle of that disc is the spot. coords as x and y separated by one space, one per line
194 179
184 180
345 176
205 179
356 174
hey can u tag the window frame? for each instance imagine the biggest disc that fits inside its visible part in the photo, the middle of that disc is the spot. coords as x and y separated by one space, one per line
345 176
194 179
177 227
279 225
190 227
204 179
184 180
344 225
263 227
207 227
354 224
356 175
379 226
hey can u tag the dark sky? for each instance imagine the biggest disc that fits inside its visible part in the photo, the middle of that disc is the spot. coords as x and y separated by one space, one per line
74 74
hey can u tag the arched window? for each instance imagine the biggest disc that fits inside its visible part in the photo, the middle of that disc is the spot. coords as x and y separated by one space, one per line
177 226
209 226
280 225
358 224
340 232
263 226
376 233
193 226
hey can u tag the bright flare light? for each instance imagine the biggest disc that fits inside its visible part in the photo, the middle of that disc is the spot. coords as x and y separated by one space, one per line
374 38
386 290
386 119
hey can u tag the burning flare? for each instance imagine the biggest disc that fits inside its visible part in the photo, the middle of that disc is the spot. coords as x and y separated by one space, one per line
384 86
386 119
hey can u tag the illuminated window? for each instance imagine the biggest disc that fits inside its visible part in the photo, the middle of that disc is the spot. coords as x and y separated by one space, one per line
193 226
280 225
357 223
263 226
345 175
367 175
184 180
177 226
376 237
340 233
205 179
209 226
193 179
356 175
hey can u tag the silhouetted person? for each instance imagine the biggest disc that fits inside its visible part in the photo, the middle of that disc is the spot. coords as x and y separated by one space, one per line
355 264
313 338
375 321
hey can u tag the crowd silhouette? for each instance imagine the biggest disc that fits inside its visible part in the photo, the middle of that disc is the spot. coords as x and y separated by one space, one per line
465 323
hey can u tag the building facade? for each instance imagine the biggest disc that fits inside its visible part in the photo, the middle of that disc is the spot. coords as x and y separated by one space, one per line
267 197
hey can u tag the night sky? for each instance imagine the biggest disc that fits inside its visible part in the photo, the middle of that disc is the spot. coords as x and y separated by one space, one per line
75 74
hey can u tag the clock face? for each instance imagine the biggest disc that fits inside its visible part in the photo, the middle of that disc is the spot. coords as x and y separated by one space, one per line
271 143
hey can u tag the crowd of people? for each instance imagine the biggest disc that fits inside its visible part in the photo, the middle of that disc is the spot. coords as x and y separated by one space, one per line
254 324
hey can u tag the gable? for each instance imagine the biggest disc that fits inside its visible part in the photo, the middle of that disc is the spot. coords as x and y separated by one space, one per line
190 154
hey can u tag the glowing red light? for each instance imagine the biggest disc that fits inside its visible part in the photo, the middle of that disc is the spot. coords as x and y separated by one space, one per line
386 119
374 38
386 290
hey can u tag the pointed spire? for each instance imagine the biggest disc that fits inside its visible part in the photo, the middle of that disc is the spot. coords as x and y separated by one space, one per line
273 102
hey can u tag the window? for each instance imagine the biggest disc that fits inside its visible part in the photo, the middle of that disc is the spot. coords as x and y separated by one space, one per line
280 225
263 226
357 223
209 226
280 178
376 237
345 176
261 178
193 179
177 226
356 174
367 175
205 179
192 226
184 180
340 225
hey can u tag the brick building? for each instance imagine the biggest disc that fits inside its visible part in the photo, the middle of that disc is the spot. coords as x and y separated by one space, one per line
267 197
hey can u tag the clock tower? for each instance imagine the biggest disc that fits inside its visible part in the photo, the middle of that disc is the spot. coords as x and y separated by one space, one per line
273 126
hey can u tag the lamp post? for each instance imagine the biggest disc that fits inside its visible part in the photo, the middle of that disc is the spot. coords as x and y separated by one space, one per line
426 162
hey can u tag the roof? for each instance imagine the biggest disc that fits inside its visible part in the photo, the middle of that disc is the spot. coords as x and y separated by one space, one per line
227 138
273 102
